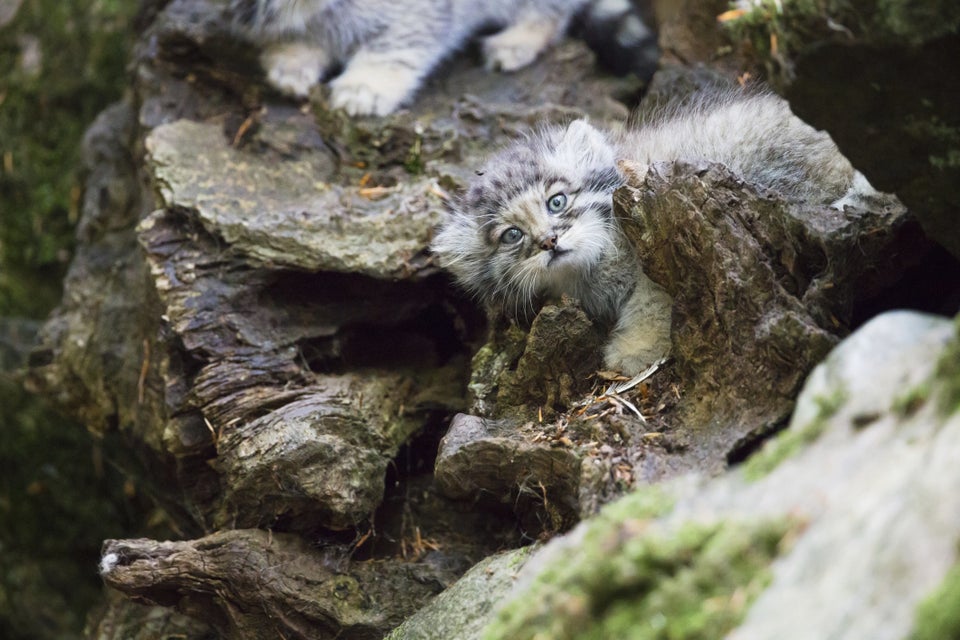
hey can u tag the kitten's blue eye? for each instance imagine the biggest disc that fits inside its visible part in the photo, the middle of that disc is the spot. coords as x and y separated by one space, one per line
556 203
511 236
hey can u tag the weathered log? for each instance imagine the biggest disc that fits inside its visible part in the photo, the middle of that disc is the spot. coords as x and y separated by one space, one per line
320 459
762 289
560 356
255 584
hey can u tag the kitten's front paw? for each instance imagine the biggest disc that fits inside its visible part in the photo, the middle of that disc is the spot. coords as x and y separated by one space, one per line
363 91
294 67
515 47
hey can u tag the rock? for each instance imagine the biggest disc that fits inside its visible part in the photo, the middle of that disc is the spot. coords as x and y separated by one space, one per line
283 211
331 447
253 326
463 610
690 34
89 352
872 486
854 515
538 477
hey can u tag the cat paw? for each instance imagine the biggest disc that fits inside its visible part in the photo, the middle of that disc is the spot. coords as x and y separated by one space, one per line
362 91
293 68
515 47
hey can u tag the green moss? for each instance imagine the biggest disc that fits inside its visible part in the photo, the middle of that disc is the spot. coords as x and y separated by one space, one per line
43 113
787 443
414 162
629 579
645 504
783 446
938 615
829 404
775 29
908 402
759 28
948 372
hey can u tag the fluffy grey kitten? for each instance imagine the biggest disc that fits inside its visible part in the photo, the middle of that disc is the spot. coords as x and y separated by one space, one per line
387 47
538 222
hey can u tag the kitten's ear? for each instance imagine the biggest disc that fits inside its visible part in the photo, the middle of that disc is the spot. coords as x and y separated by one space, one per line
587 143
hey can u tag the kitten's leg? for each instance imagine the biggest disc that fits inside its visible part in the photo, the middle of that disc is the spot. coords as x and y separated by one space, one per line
642 333
378 80
520 43
294 67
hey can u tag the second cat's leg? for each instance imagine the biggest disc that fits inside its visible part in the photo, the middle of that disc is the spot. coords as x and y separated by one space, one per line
294 67
521 42
385 73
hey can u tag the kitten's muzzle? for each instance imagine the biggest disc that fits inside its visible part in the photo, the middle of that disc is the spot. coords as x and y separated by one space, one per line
556 254
549 242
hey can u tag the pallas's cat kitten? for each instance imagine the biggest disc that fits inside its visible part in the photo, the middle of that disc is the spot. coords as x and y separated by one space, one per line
388 47
537 221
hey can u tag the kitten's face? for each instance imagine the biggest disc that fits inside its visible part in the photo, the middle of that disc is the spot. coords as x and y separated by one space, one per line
536 221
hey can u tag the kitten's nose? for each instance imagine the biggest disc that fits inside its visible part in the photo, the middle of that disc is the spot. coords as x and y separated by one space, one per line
548 242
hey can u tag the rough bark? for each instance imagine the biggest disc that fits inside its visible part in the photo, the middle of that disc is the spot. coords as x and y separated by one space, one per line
257 584
762 289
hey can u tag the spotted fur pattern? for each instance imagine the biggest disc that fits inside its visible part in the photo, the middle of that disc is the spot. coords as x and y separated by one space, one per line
388 47
508 244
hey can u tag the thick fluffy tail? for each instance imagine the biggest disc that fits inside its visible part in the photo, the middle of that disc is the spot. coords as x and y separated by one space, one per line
622 34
